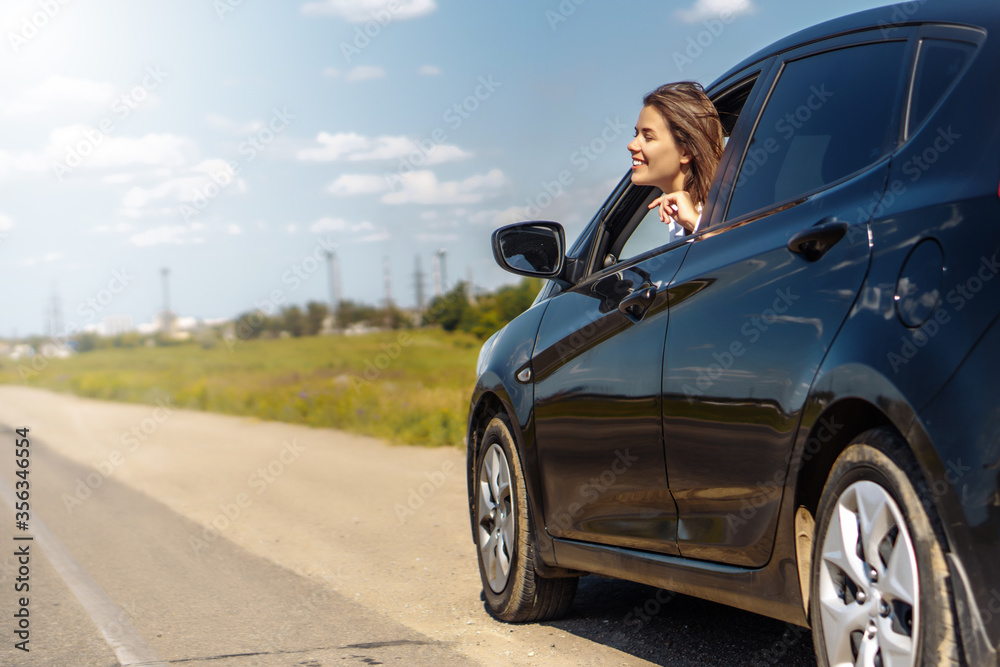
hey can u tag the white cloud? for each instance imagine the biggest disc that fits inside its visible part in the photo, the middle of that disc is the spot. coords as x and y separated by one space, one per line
5 223
714 9
81 147
291 228
385 148
334 146
445 153
159 150
234 229
196 183
429 70
365 72
362 11
331 72
59 93
394 148
357 184
358 148
422 187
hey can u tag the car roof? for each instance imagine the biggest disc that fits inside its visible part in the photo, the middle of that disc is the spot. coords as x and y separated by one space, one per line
977 13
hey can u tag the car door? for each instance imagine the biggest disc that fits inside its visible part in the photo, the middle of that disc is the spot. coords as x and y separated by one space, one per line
596 368
762 292
598 372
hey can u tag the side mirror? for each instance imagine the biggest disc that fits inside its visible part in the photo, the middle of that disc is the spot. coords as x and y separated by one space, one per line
535 249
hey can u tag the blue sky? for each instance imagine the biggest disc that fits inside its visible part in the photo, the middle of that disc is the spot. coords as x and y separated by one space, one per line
235 140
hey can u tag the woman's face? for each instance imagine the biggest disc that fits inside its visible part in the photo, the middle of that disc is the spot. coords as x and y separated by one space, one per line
656 158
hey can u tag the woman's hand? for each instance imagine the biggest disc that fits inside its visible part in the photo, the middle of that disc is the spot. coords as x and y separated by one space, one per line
677 207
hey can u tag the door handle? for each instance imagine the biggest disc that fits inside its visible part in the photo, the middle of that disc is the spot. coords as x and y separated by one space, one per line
635 305
814 242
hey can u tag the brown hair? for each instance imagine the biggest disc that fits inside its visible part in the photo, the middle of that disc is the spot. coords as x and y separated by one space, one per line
695 126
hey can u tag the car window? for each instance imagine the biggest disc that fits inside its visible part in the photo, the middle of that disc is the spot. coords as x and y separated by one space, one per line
938 66
651 233
643 231
828 116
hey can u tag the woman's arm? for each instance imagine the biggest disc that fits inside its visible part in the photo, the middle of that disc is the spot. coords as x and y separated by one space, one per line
678 207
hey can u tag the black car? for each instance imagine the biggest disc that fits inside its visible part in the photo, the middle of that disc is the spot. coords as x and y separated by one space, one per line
795 410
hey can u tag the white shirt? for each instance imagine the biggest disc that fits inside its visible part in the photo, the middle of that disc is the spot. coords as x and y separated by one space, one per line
677 230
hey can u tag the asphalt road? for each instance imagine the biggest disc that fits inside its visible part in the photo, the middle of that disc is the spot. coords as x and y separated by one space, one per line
162 536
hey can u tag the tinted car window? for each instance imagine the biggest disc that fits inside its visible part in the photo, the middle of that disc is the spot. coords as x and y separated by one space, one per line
938 67
828 116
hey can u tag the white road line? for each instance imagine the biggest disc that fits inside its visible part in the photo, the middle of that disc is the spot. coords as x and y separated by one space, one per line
110 619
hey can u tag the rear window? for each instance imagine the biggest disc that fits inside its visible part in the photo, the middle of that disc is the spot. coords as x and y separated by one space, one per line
938 67
828 116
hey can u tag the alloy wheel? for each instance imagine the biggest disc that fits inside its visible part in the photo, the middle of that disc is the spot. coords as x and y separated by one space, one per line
869 588
497 521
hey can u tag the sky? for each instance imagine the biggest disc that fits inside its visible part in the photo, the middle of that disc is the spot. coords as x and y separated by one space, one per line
236 142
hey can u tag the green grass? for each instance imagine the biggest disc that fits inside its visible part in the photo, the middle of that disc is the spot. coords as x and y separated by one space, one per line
410 387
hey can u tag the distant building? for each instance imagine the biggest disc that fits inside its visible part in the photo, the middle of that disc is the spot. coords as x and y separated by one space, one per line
185 323
165 321
116 325
53 350
22 351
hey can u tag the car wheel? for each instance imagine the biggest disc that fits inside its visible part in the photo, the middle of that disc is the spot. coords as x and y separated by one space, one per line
879 587
514 590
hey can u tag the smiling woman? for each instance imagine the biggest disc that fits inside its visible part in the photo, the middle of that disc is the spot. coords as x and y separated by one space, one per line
677 147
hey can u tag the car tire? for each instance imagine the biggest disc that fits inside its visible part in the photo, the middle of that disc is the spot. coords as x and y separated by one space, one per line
514 591
879 579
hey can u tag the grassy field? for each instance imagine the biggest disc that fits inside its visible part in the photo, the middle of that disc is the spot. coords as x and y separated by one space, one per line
410 387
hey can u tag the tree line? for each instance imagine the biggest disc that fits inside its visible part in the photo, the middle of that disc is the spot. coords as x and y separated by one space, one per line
480 315
452 311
